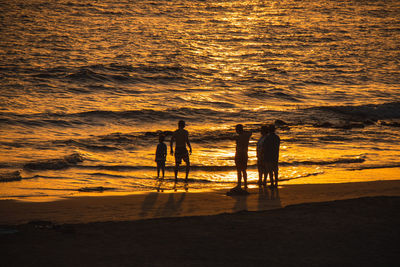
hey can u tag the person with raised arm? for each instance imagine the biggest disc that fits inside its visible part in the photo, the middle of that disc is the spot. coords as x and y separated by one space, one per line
242 145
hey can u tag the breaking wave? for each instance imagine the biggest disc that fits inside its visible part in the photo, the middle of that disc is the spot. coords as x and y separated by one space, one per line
215 168
371 111
55 164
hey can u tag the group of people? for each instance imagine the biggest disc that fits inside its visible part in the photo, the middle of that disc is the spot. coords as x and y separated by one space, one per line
267 154
181 139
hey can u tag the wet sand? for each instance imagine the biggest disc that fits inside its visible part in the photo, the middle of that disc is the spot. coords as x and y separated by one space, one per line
353 224
98 208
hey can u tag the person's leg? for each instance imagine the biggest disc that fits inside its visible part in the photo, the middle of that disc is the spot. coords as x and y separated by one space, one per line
276 175
271 175
260 172
245 178
163 169
239 177
187 161
187 170
178 161
176 170
265 174
238 171
158 169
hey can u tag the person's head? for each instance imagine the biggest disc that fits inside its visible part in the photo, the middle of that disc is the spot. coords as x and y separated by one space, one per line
271 128
161 138
181 124
264 130
239 128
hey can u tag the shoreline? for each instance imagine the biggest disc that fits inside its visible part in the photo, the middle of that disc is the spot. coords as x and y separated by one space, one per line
139 206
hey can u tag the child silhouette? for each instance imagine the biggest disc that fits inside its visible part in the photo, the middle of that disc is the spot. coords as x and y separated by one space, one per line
161 156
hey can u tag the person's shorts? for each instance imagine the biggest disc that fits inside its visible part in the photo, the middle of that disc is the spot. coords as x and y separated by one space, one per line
271 166
241 161
181 153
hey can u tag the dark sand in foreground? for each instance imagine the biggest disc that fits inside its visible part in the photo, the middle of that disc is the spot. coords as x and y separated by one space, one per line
362 231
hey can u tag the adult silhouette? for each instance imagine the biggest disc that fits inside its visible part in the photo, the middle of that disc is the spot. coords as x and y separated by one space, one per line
242 145
270 154
181 139
260 160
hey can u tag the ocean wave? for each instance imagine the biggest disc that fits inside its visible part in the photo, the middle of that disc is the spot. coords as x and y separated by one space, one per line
55 164
77 119
4 165
10 176
325 162
91 147
273 93
383 111
179 112
95 189
90 75
376 166
36 120
126 73
110 73
136 178
371 112
170 168
173 114
282 179
222 168
341 117
390 123
346 125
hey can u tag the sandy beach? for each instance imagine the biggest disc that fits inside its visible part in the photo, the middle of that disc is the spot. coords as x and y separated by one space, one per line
353 224
98 208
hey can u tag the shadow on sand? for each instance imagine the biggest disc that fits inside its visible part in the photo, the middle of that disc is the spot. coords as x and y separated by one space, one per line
266 199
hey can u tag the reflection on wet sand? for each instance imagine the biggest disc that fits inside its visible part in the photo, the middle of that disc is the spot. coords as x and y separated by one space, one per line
159 184
148 203
173 206
175 200
268 198
154 203
240 203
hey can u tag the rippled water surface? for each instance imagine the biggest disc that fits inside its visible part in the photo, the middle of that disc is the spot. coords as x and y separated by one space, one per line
86 86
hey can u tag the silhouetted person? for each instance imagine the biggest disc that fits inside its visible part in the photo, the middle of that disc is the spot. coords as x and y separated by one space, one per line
271 155
181 137
241 157
260 160
161 155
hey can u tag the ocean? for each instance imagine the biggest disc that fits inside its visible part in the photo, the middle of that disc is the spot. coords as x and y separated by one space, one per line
87 86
